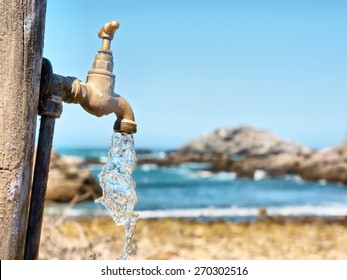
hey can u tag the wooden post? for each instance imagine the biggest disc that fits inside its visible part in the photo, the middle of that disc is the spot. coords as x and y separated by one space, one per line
21 44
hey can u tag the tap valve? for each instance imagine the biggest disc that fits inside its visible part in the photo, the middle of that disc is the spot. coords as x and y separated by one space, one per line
106 33
104 60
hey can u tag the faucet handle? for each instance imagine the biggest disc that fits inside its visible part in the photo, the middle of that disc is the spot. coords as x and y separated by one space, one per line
108 30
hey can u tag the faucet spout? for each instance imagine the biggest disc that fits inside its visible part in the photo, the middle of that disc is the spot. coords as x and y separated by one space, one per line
97 96
125 116
99 101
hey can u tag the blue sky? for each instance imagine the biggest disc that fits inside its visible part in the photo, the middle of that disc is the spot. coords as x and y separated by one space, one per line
188 67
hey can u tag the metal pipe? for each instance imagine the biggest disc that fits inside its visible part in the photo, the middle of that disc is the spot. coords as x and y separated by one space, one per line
37 202
50 108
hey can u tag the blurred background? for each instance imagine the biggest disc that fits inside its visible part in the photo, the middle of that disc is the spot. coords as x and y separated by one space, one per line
241 109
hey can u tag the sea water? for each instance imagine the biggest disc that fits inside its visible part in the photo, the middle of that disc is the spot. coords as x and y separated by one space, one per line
188 190
119 195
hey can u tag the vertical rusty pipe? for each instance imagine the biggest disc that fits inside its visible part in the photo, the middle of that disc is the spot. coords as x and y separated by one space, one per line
43 156
50 108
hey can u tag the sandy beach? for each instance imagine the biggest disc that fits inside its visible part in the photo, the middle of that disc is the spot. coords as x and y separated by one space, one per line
270 238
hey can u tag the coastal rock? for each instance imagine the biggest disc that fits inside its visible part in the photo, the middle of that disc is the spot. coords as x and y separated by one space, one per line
249 152
244 150
272 165
241 142
67 179
328 164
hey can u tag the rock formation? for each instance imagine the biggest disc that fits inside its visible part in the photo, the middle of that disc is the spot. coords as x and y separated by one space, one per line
67 178
240 142
244 150
328 164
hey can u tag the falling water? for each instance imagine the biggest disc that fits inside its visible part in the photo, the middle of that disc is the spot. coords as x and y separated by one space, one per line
119 196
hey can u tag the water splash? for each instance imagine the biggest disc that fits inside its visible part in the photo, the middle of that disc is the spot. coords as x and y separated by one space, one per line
119 196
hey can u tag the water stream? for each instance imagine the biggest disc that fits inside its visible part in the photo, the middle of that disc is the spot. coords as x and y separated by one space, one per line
119 195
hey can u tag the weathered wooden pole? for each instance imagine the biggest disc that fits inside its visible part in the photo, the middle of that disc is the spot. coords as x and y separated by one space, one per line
22 25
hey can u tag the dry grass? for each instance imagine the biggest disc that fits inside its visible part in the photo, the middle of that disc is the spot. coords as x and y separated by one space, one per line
182 239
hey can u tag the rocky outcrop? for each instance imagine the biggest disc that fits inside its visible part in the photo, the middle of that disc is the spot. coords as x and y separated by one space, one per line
238 143
328 164
244 150
272 165
67 178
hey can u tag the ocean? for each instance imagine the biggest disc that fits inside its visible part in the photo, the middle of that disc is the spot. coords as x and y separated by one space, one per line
187 191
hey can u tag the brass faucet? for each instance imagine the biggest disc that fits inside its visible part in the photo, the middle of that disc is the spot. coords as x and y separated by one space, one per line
97 96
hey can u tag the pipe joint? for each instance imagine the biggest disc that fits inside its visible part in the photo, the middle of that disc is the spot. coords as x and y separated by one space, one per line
50 102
